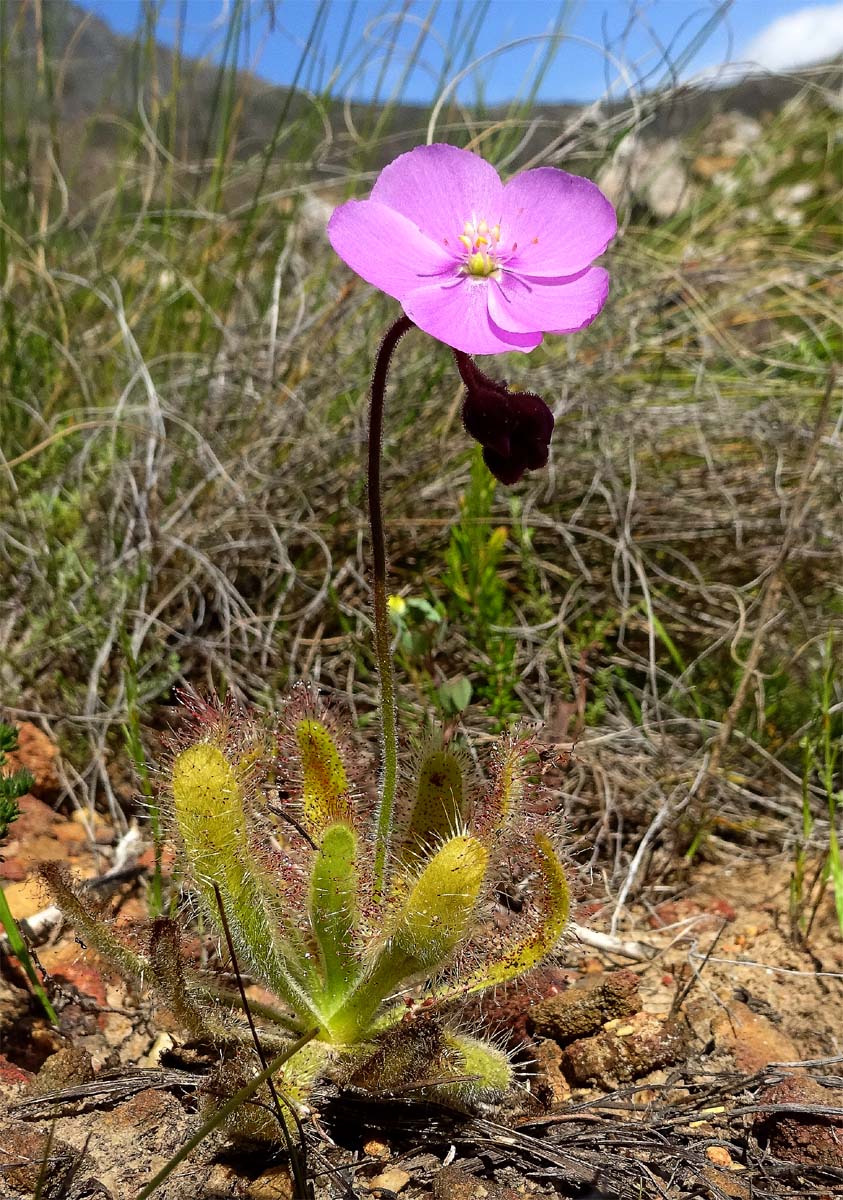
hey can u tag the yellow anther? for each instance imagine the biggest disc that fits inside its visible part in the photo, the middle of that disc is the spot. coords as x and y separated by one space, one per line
482 241
466 241
483 227
496 233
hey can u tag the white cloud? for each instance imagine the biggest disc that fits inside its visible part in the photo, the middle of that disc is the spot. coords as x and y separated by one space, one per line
807 36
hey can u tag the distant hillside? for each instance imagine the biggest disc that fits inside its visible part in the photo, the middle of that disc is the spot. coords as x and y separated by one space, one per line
100 82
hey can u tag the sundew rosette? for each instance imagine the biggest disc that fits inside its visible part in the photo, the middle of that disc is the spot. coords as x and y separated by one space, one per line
274 833
480 265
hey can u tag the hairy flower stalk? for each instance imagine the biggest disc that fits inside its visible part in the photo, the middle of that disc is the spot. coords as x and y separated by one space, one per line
383 652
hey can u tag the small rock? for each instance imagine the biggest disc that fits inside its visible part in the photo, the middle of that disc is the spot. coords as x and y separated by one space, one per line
162 1045
66 1068
275 1184
13 870
36 819
452 1183
152 1119
549 1086
726 1183
85 993
11 1075
751 1039
612 1057
39 756
376 1149
89 827
70 835
721 1157
808 1138
23 1152
650 173
314 214
391 1180
585 1007
733 133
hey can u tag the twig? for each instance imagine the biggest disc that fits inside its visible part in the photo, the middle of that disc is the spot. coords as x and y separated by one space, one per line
637 951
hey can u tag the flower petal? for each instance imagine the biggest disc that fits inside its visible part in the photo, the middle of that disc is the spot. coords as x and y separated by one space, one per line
439 188
385 248
559 222
458 315
523 305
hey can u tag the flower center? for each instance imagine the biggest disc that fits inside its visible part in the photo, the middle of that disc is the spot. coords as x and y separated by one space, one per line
481 241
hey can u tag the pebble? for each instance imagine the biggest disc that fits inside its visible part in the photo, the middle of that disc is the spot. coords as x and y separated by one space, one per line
376 1149
391 1180
721 1157
274 1184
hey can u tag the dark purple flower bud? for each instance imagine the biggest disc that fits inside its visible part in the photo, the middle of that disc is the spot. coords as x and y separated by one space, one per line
514 428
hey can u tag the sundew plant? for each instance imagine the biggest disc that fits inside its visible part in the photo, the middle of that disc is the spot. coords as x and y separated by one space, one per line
365 907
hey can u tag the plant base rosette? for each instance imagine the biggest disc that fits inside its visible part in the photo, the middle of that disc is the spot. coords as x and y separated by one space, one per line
374 972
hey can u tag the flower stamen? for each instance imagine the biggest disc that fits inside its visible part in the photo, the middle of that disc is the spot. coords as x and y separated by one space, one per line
481 242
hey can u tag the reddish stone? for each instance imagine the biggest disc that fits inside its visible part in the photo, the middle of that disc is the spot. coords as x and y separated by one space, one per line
40 756
802 1137
36 819
88 982
549 1085
68 1067
13 870
23 1152
752 1040
11 1074
71 834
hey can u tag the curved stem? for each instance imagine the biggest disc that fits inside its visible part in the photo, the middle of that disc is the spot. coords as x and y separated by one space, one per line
466 367
383 654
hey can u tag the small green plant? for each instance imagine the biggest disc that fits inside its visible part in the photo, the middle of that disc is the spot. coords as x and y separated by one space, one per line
473 578
13 785
419 626
308 917
822 756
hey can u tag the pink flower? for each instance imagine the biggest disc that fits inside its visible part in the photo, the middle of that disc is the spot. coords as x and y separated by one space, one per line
480 265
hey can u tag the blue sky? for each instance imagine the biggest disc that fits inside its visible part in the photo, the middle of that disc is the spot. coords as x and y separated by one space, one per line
777 33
